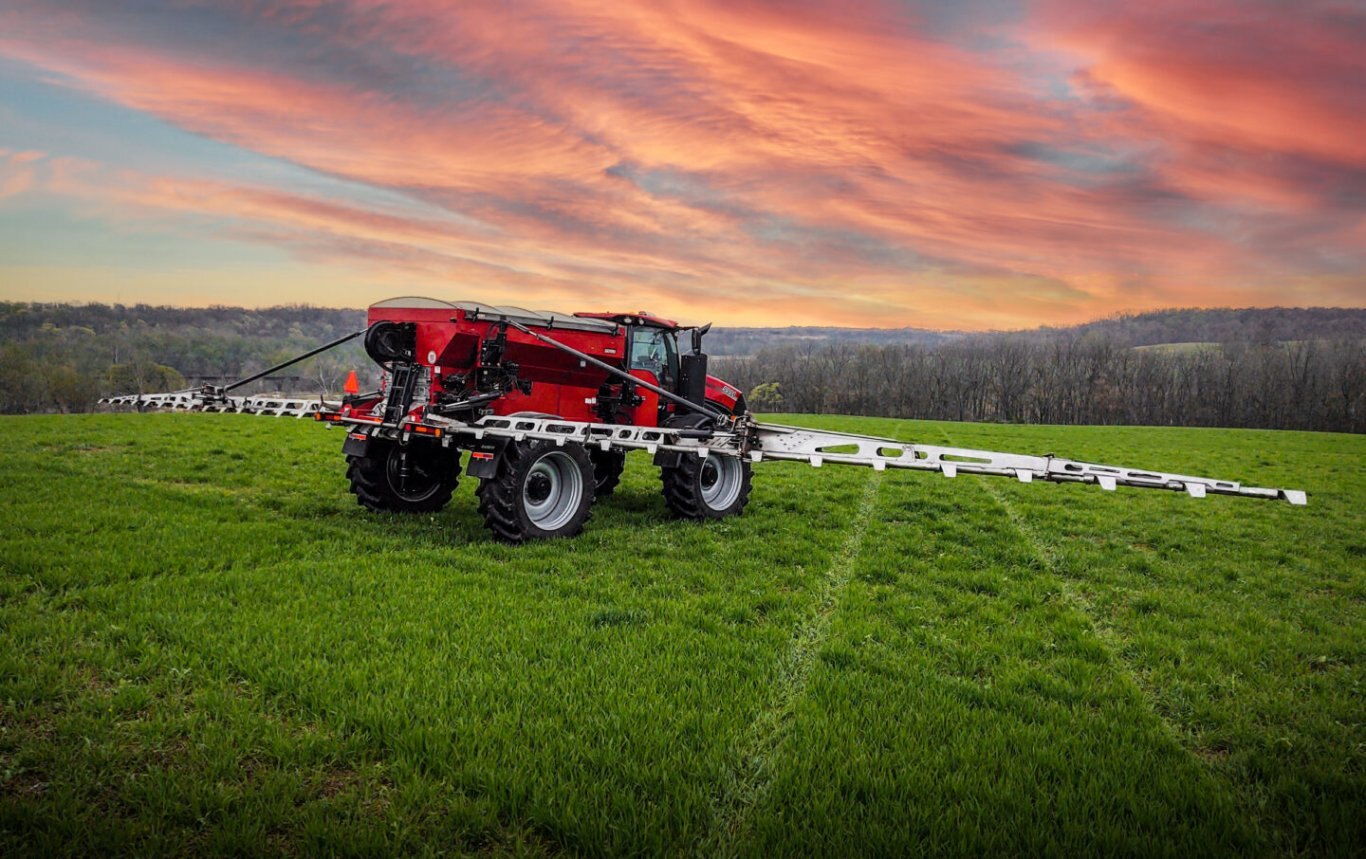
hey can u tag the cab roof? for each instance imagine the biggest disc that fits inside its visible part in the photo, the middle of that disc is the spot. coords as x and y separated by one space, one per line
534 317
644 317
476 310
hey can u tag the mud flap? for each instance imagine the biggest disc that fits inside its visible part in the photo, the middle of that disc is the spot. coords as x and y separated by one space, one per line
484 459
355 444
668 458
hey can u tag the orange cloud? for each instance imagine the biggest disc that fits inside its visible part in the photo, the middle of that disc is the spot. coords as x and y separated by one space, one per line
1240 73
749 161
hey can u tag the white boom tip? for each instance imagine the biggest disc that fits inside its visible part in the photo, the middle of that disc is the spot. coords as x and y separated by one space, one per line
1295 496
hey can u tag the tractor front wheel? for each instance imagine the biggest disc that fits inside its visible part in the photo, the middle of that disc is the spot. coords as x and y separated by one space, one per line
711 487
415 478
542 490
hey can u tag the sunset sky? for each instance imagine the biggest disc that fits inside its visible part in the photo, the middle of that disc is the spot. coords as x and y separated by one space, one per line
957 165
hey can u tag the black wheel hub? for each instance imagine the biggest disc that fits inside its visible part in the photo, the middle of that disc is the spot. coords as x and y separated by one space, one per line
709 475
413 485
537 488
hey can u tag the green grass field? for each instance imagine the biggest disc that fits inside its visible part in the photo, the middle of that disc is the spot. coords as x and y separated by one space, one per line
207 647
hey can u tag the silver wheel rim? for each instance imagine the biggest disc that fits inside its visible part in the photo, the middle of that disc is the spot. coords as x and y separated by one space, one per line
720 479
552 491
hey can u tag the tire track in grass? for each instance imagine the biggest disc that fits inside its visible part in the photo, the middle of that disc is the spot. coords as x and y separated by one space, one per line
750 778
1112 641
1075 598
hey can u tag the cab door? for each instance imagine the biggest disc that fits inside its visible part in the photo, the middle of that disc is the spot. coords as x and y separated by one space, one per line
652 357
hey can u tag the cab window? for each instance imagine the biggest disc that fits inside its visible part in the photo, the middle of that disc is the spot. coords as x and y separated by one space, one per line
652 349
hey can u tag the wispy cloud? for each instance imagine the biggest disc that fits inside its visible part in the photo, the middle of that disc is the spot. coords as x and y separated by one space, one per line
754 162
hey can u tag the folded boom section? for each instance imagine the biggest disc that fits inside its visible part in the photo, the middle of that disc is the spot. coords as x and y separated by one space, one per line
201 401
776 442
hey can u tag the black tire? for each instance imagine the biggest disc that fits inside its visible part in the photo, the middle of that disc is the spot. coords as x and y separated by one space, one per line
607 468
542 491
702 488
379 483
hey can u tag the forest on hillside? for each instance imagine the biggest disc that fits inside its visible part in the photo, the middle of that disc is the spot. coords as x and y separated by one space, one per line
64 357
1272 368
1300 368
1069 378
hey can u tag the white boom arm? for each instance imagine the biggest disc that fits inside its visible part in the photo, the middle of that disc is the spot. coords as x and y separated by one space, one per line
199 401
759 442
777 442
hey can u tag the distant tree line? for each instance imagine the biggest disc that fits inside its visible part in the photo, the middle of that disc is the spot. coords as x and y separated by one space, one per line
1069 377
63 358
1296 368
1223 325
1177 325
750 341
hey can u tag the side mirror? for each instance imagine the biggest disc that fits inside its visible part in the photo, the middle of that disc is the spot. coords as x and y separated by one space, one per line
697 334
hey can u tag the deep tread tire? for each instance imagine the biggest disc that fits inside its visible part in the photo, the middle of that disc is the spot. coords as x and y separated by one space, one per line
607 468
689 488
374 480
509 501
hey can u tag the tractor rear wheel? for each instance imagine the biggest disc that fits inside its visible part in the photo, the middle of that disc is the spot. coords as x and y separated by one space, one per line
711 487
607 468
415 478
542 490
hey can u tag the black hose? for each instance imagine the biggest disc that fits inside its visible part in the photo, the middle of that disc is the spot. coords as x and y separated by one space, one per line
293 361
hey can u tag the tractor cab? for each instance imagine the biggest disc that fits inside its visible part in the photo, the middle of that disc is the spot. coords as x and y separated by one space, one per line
651 345
654 352
654 355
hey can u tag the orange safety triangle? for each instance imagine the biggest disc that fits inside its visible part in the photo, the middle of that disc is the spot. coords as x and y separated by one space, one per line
352 386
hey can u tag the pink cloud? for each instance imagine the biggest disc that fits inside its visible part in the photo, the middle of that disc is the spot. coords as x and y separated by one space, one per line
1253 75
745 156
19 172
